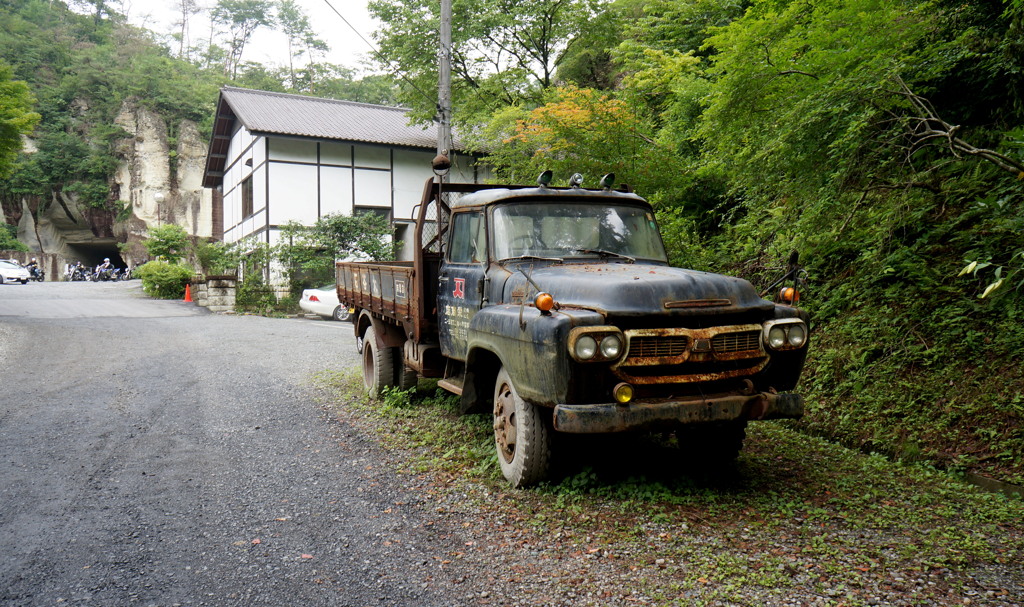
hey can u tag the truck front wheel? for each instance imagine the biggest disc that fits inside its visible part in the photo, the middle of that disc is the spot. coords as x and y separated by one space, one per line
521 434
378 364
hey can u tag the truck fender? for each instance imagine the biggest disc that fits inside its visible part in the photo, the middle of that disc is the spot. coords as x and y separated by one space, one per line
482 368
532 347
388 336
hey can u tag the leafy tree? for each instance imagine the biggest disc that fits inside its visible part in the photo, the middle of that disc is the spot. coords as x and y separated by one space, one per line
302 40
169 242
503 51
241 18
186 10
16 117
336 82
579 130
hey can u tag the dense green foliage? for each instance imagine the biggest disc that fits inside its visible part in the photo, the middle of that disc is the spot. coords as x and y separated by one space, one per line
9 239
504 52
164 280
16 117
169 242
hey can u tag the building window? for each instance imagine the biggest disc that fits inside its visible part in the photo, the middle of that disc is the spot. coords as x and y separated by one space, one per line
247 196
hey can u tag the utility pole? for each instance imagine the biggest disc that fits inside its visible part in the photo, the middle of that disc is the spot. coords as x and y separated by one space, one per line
444 89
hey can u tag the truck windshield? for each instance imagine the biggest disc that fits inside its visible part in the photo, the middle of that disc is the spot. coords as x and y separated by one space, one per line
560 229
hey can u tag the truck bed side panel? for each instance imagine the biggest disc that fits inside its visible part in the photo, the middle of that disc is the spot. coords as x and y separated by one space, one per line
384 289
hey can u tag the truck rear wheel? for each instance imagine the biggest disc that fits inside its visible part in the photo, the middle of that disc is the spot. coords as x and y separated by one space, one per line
521 434
378 364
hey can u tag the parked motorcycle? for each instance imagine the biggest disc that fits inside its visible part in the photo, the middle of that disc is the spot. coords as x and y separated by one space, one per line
76 272
104 275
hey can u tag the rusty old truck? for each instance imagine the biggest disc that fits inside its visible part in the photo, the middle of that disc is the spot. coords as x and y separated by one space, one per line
556 308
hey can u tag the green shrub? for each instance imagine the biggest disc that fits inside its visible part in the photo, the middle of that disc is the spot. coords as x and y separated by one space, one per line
9 239
169 241
164 280
253 295
217 257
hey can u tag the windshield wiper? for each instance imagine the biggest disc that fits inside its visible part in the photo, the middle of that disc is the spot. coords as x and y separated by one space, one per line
604 253
533 257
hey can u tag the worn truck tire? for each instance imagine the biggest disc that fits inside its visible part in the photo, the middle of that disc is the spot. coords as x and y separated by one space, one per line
378 365
522 435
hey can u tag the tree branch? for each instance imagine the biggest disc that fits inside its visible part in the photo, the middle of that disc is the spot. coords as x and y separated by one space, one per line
925 129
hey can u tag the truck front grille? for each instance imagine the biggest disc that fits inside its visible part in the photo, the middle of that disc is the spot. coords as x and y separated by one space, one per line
736 342
658 347
683 355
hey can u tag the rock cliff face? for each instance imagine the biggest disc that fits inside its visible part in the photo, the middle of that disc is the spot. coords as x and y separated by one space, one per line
157 185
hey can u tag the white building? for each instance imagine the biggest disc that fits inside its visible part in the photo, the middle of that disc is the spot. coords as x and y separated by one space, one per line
276 158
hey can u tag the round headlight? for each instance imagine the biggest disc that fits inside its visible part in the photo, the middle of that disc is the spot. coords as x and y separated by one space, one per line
611 346
777 337
797 335
586 347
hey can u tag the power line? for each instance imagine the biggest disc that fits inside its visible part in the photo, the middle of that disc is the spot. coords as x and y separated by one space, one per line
376 52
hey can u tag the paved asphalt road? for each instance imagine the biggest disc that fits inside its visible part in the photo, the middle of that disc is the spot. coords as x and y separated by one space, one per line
152 453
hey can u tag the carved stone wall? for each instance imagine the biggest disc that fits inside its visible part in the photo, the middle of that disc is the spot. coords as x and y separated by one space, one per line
158 184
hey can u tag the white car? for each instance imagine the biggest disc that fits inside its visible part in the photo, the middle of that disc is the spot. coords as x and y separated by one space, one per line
324 303
12 272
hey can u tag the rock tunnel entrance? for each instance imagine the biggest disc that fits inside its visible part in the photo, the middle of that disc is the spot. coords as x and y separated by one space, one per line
93 254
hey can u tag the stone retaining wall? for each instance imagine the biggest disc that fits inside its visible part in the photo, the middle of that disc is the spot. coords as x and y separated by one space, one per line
216 293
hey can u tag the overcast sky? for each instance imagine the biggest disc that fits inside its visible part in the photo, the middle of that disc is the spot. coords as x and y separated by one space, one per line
346 47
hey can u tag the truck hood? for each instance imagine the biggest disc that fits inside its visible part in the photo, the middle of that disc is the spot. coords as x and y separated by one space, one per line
620 289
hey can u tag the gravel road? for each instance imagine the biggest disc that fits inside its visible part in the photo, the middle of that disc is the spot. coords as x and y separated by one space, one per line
156 454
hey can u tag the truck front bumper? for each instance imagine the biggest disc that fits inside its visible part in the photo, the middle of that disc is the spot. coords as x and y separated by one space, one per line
659 414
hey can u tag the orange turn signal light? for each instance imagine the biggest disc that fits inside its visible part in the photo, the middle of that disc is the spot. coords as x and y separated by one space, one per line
544 302
789 295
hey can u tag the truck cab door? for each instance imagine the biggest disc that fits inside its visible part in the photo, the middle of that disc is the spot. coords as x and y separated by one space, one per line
461 281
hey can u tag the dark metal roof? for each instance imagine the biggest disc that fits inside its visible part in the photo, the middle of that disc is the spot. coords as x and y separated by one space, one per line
264 113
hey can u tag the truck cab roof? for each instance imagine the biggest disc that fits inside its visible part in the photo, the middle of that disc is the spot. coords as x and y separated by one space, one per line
497 194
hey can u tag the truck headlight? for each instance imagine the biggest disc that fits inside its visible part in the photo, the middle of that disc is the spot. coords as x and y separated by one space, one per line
797 336
586 347
611 346
785 334
596 344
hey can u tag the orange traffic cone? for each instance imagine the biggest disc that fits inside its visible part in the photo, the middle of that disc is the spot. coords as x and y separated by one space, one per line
188 294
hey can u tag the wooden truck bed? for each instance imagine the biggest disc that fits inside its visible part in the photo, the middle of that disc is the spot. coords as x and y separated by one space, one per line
385 289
